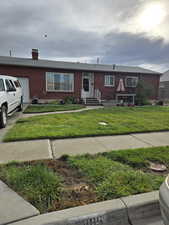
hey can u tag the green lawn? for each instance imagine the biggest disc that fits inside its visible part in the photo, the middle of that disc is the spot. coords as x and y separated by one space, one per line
51 108
120 120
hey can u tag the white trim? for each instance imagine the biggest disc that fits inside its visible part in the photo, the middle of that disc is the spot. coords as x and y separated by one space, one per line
55 73
109 85
131 77
90 93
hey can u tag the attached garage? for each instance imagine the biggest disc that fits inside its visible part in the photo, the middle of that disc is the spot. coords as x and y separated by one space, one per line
25 88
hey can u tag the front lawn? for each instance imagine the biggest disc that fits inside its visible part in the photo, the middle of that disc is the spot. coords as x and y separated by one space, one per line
51 108
107 121
72 181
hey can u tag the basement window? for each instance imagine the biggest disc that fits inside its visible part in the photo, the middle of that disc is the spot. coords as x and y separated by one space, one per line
59 82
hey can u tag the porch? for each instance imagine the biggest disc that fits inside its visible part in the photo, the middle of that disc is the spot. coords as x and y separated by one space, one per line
89 94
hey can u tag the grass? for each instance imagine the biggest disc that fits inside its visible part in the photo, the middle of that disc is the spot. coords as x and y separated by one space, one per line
120 120
36 183
52 184
113 179
51 108
140 158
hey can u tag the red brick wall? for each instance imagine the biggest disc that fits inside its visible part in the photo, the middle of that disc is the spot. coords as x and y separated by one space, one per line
151 80
37 82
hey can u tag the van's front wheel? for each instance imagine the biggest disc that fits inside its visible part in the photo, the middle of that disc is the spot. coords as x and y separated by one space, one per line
3 116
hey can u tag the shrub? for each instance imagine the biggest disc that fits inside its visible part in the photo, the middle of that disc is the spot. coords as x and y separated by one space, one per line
70 100
143 93
160 103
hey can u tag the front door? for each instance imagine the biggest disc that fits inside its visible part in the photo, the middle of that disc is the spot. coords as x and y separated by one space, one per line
88 85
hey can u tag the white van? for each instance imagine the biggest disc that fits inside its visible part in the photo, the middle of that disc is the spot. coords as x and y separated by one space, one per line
10 97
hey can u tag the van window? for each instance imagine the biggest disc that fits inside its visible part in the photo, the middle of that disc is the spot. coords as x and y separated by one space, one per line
2 87
10 86
17 84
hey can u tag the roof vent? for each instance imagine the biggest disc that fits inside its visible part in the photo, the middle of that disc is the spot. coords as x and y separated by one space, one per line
114 66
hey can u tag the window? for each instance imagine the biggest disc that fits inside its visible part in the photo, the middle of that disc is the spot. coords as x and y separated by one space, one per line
161 85
2 88
12 84
17 84
131 81
86 84
109 80
9 85
60 82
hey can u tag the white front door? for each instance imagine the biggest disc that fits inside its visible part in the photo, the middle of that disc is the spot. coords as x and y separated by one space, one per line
87 85
25 88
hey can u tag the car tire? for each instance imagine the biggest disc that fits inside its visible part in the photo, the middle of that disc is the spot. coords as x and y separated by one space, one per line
20 107
3 116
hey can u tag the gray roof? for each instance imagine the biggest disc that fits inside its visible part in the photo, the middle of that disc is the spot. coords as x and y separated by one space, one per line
5 60
165 77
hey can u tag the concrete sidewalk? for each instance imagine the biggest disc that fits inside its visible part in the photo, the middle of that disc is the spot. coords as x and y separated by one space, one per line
95 145
25 151
87 108
48 149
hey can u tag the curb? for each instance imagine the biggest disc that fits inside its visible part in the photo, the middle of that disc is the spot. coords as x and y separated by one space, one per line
143 207
133 210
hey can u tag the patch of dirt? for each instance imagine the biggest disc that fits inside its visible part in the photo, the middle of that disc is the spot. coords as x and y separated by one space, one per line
77 190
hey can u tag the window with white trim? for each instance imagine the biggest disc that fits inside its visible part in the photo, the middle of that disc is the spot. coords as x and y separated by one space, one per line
109 80
61 82
131 81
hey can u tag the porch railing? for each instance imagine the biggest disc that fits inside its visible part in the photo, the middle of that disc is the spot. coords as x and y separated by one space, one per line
83 95
98 95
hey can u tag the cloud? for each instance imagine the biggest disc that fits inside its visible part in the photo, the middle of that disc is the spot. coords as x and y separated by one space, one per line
84 30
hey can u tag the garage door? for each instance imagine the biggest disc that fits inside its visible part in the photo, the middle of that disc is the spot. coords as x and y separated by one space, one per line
25 88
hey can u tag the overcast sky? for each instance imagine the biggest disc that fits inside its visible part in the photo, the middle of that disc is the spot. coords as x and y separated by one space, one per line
125 32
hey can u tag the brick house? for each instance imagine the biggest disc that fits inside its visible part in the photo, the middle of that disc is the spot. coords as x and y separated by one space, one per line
46 79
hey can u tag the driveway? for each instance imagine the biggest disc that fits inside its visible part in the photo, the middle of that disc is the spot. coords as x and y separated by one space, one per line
11 121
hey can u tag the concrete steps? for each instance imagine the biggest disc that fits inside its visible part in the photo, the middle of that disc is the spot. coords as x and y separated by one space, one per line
92 102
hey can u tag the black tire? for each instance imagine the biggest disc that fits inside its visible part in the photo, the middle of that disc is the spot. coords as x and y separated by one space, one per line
3 116
20 107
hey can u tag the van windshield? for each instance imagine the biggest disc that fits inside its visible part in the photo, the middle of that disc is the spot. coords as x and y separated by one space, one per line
2 87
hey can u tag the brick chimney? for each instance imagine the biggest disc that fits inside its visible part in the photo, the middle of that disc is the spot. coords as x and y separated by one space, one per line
35 54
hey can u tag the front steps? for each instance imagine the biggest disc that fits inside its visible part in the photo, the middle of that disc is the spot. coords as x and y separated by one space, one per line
92 102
